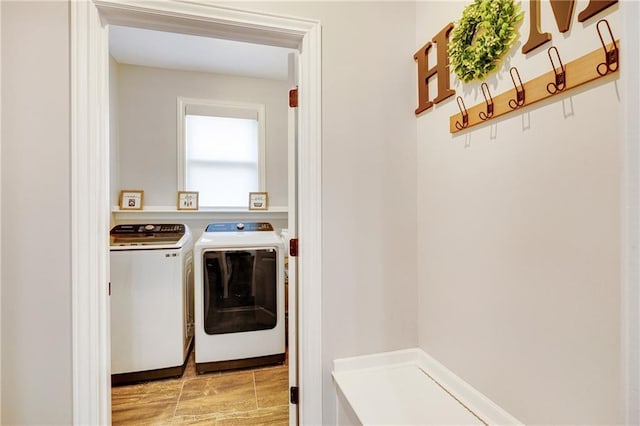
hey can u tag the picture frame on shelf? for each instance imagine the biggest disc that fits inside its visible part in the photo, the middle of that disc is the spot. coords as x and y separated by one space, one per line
131 199
188 200
258 200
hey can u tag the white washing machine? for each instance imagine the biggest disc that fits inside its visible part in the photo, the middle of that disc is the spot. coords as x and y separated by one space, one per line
239 297
151 301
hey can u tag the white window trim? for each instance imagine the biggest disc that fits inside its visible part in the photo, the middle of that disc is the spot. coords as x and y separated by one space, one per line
181 151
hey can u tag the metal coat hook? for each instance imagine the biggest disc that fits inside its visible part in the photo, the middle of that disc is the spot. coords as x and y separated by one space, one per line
519 100
465 114
561 79
610 56
488 100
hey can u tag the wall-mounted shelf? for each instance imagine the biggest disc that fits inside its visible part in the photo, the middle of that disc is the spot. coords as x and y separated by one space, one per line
576 73
170 213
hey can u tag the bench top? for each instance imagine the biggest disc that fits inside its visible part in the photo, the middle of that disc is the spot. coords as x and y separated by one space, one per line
401 395
409 387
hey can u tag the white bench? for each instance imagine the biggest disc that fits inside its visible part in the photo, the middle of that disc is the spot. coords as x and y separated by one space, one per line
409 387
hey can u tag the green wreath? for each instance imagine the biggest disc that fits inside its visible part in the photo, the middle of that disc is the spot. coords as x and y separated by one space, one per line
484 33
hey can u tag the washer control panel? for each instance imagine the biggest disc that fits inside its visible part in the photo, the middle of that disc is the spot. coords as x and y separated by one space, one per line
239 227
148 229
147 235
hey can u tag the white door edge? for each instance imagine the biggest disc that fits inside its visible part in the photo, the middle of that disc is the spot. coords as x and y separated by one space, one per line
292 225
90 192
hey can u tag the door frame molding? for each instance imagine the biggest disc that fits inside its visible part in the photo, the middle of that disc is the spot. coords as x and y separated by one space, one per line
90 187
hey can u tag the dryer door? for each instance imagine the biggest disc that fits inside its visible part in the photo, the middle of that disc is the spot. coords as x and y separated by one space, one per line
240 290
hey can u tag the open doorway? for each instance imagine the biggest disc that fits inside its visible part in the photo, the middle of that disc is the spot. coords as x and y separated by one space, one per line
89 139
209 115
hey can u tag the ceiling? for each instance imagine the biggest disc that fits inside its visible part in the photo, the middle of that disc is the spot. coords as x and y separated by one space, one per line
159 49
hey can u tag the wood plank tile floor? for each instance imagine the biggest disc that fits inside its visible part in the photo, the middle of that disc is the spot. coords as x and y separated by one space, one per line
244 397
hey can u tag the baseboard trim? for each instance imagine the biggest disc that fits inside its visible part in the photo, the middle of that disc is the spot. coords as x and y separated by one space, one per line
236 364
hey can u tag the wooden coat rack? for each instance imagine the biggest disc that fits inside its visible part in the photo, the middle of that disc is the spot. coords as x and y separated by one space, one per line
560 79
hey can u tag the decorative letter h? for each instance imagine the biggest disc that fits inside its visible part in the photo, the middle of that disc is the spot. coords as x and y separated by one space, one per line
441 69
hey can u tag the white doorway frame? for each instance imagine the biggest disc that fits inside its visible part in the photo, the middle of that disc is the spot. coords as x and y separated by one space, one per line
90 188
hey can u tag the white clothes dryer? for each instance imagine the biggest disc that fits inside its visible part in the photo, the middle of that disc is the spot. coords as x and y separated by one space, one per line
239 297
151 301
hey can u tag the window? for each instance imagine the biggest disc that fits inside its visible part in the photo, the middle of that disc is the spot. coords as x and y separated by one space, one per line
221 153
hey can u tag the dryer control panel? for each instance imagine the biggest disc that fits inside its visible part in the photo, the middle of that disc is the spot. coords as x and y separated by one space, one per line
239 227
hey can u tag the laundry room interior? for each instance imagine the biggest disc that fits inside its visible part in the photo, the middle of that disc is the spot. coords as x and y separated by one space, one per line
504 247
158 81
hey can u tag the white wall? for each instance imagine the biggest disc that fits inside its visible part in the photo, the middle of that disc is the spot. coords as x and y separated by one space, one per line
369 177
114 133
520 236
369 182
147 135
36 262
630 11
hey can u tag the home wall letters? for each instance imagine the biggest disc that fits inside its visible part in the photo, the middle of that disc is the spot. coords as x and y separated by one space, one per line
563 13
